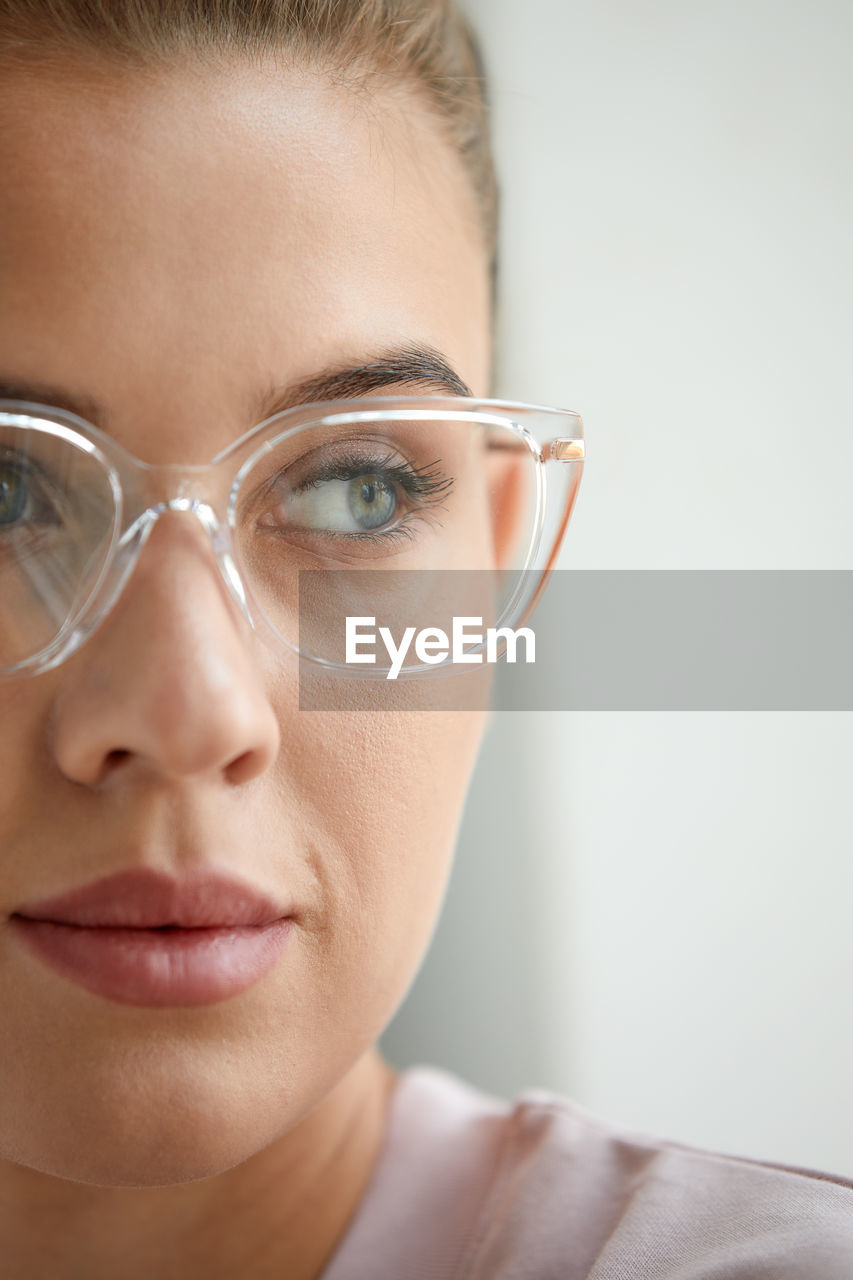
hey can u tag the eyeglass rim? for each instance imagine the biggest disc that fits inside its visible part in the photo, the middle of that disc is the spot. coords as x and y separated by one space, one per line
313 413
332 412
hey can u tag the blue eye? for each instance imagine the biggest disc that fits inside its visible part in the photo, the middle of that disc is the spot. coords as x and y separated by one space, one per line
29 499
349 496
371 501
14 495
359 504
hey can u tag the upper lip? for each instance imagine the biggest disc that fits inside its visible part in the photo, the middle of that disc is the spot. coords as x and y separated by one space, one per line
143 898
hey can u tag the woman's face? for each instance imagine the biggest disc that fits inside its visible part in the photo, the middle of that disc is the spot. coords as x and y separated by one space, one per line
172 245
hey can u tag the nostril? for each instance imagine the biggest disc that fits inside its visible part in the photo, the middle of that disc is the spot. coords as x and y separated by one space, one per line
244 767
116 757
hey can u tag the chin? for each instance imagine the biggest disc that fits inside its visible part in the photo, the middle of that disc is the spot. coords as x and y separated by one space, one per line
168 1155
151 1124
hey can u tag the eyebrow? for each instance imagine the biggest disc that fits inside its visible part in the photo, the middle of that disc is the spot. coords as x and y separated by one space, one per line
409 366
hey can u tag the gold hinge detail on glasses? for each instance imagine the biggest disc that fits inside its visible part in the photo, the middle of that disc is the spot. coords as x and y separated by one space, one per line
567 450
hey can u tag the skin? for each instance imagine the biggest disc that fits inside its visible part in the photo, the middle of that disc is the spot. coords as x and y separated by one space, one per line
172 243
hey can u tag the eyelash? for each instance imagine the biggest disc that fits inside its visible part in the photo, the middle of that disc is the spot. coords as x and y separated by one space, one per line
426 482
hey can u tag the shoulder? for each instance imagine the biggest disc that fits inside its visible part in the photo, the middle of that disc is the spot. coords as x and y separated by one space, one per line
622 1203
473 1187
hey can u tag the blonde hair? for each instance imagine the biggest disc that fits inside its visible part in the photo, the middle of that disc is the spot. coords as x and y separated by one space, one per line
426 42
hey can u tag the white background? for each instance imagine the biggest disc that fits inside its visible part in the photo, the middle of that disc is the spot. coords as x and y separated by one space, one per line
653 913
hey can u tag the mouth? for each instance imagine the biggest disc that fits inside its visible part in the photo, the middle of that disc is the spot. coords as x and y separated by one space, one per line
142 898
141 937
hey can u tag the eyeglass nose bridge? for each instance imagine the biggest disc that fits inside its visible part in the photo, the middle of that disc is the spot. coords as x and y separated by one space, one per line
131 543
219 540
123 561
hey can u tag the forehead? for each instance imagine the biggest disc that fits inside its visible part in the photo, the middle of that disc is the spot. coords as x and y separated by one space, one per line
175 242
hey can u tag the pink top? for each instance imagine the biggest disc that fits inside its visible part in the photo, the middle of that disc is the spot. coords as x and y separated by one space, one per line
470 1187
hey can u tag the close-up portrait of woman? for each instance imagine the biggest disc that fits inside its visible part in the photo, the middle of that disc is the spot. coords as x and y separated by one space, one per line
284 371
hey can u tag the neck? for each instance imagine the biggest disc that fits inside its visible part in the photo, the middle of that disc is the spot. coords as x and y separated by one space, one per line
280 1213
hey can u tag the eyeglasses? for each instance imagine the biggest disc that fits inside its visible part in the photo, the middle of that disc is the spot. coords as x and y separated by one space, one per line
387 483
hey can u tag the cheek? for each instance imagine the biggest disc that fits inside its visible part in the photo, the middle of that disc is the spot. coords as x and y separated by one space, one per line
379 798
25 765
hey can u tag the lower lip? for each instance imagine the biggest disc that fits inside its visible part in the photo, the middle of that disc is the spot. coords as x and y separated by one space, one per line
157 967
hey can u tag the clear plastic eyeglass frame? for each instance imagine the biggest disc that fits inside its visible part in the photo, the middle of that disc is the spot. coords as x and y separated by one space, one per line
142 492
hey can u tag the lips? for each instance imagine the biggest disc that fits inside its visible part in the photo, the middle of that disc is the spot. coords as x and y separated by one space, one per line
146 899
140 937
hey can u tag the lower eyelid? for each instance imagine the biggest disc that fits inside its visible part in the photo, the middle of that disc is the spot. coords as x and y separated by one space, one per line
400 529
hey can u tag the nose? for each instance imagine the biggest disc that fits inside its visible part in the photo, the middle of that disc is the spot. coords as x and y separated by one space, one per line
168 683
